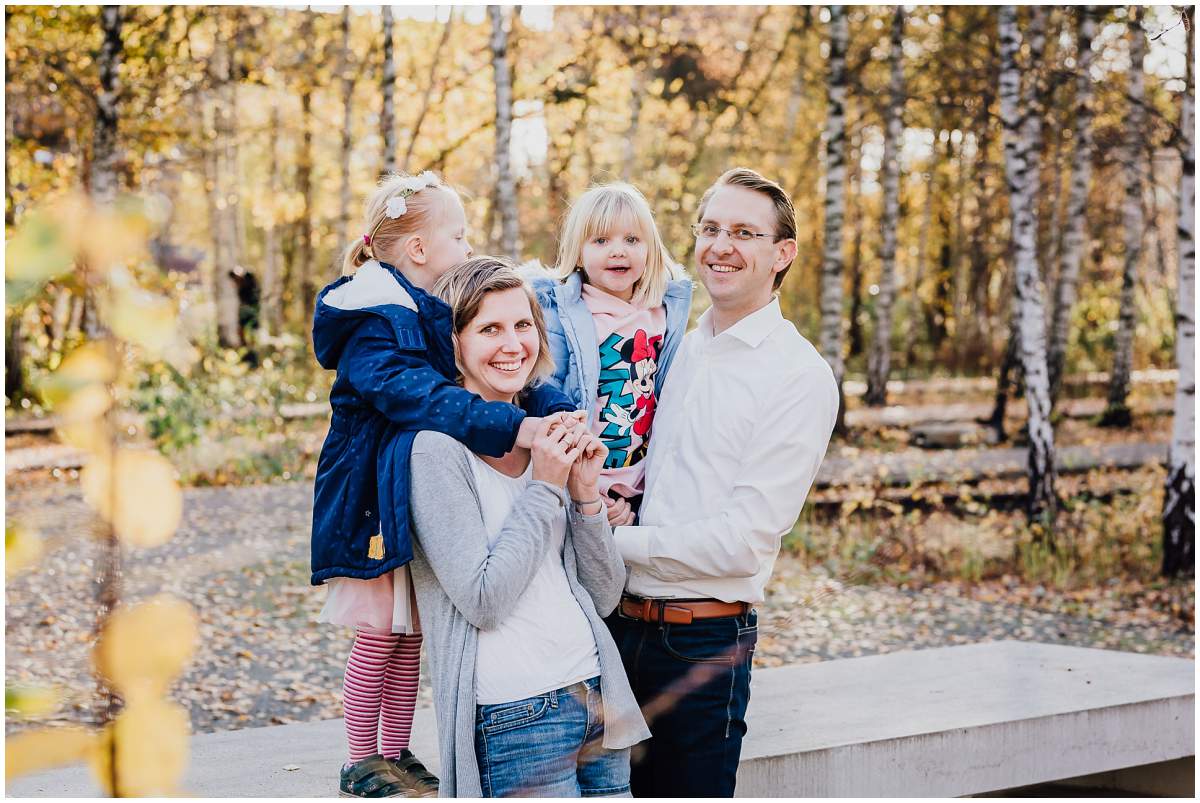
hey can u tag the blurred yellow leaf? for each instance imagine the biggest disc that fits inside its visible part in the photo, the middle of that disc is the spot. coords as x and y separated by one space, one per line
42 749
142 648
137 492
39 250
144 318
152 749
90 364
22 547
82 423
116 235
29 701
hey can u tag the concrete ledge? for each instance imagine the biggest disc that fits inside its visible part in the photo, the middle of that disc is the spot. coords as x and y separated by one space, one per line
940 722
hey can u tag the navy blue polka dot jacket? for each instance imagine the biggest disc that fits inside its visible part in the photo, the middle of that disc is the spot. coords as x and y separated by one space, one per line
390 343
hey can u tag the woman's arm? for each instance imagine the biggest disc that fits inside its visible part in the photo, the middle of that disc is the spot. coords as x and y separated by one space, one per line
601 570
483 584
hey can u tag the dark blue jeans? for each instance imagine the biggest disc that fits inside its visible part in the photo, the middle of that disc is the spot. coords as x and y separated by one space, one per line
693 684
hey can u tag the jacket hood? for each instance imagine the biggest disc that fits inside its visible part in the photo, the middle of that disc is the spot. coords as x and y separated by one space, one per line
342 305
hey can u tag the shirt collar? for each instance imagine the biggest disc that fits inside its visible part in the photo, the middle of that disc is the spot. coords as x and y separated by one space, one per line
751 330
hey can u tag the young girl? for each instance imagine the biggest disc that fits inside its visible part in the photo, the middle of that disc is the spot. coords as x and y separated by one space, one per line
615 319
390 342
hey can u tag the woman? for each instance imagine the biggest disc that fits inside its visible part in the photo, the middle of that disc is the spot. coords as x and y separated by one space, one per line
513 575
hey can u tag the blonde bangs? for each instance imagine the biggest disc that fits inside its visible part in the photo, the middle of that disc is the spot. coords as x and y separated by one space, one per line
600 210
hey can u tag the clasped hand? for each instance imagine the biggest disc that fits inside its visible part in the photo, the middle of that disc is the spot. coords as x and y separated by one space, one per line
565 452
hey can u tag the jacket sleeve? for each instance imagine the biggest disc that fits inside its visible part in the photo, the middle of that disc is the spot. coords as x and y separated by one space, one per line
483 582
544 399
406 389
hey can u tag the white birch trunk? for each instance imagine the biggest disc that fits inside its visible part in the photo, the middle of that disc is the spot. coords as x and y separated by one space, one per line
347 76
304 279
629 159
1022 129
1117 412
879 359
387 117
1179 501
229 334
506 190
1074 238
272 300
103 181
835 201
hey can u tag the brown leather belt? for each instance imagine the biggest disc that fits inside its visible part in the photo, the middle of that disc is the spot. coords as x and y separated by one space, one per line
678 611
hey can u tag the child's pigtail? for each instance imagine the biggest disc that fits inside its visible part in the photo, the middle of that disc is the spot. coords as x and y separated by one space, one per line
355 256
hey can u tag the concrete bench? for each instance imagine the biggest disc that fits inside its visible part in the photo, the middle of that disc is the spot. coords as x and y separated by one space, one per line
942 722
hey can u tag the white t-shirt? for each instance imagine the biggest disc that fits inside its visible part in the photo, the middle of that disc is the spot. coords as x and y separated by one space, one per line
546 642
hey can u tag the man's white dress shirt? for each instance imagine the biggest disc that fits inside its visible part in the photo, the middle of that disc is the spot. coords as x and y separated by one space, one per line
741 429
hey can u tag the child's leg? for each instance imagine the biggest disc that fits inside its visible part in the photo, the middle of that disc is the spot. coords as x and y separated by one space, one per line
366 671
400 695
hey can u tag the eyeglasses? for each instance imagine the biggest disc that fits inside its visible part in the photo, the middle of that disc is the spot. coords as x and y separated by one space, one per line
709 231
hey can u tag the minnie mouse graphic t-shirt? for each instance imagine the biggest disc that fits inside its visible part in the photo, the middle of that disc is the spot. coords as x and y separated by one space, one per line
630 341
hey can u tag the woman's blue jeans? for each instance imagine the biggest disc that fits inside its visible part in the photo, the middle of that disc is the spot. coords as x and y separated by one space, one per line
549 746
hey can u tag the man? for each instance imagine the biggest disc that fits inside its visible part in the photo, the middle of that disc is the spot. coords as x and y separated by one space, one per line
741 430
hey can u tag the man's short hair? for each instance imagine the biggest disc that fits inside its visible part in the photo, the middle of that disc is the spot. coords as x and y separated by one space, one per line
785 213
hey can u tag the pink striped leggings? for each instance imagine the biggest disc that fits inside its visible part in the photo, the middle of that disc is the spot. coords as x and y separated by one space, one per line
380 692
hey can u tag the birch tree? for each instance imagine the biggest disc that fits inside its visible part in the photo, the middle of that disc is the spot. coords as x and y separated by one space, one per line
102 177
225 251
1179 501
1022 129
1117 413
304 169
835 201
272 310
506 190
1073 241
387 89
879 359
347 76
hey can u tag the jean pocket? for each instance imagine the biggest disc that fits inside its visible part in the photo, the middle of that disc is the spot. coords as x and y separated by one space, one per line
703 643
503 717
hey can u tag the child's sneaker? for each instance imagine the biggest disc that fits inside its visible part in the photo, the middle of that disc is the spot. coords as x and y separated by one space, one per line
374 776
419 781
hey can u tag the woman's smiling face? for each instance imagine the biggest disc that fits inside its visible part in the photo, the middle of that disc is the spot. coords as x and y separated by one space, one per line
498 348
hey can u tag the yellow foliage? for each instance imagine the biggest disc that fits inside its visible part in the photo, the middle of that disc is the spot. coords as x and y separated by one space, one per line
38 251
82 425
22 547
29 701
36 750
152 749
137 493
142 648
144 318
90 364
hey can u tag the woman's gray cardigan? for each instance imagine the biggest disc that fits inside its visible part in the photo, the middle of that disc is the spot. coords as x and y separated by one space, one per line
463 588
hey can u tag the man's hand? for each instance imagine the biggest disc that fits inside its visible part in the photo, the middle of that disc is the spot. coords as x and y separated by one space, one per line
619 511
